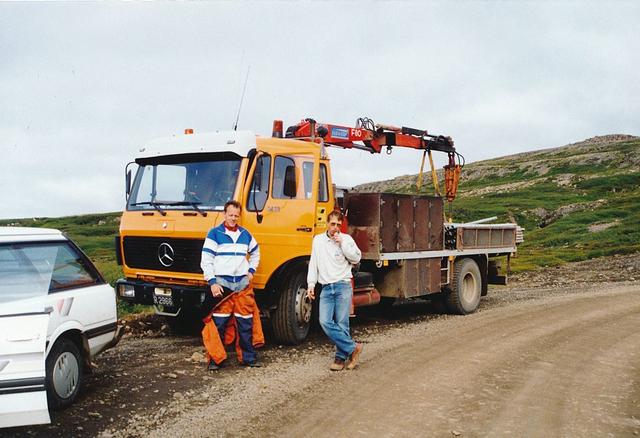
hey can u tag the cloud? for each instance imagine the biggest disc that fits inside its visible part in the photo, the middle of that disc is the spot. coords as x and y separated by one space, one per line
83 85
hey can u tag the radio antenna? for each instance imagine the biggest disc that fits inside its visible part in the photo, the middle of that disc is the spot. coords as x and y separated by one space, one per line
235 126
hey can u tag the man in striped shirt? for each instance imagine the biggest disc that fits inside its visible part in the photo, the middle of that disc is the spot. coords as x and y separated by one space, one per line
230 257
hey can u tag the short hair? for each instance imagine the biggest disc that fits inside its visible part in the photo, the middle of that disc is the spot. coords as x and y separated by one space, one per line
335 213
232 203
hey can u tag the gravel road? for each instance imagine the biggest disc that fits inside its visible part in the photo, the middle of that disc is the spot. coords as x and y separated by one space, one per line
550 360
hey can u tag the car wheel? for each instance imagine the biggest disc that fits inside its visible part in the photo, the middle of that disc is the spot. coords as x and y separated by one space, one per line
64 374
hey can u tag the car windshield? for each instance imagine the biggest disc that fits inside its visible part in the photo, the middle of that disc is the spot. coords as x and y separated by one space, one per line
25 273
205 185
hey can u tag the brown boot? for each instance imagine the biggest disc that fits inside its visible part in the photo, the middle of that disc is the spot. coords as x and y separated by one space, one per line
354 357
337 365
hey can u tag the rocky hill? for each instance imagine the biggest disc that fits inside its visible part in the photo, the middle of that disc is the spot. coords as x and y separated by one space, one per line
597 150
576 201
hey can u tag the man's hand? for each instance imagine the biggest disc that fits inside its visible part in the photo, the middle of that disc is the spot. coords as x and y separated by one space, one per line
311 294
216 290
250 275
337 238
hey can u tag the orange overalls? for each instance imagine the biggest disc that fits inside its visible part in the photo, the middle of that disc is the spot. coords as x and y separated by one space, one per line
236 317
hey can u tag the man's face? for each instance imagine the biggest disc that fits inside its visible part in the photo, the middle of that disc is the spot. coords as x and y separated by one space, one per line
334 225
231 216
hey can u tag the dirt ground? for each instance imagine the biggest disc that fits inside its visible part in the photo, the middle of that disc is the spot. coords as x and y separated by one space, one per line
556 353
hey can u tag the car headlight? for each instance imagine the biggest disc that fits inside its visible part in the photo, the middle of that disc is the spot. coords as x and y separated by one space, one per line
126 290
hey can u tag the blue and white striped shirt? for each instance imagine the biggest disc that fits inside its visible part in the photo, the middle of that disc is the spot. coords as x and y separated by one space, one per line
224 254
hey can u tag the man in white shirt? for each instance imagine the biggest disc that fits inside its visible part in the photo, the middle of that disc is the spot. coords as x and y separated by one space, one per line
332 255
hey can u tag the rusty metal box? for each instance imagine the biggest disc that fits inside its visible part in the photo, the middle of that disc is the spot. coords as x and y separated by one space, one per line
391 223
411 279
472 236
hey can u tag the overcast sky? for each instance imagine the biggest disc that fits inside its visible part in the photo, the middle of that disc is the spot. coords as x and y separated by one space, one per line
84 85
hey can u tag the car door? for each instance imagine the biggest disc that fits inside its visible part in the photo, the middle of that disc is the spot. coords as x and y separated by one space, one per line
78 294
23 334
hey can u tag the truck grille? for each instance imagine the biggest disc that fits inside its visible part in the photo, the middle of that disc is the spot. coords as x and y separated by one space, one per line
176 255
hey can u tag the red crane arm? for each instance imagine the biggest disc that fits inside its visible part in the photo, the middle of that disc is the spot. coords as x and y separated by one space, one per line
372 138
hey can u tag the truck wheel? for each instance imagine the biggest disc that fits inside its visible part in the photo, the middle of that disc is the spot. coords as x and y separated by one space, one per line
64 374
466 287
292 318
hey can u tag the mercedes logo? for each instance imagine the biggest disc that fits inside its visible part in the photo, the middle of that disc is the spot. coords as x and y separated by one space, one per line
165 254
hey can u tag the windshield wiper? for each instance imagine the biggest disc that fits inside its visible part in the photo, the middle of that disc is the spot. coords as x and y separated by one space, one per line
192 204
153 204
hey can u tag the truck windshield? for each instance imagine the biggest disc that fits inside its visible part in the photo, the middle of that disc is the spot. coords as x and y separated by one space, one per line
205 185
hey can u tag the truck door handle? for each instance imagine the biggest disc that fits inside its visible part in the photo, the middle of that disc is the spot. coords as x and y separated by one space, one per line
305 229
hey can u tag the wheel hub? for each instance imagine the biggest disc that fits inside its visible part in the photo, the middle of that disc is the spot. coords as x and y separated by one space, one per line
469 288
66 371
303 307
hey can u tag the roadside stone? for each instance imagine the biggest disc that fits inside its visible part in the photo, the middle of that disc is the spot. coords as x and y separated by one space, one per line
197 357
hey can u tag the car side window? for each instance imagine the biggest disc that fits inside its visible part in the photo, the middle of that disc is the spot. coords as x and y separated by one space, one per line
259 190
70 270
65 266
19 278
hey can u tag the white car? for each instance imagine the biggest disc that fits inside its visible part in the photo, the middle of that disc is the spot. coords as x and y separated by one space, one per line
56 313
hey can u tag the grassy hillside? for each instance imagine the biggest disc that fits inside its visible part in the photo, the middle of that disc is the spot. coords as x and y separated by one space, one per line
576 202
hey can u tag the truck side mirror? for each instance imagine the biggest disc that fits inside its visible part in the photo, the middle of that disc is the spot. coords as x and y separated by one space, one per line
128 183
290 190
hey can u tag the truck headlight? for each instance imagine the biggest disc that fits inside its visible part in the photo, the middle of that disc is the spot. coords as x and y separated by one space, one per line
126 291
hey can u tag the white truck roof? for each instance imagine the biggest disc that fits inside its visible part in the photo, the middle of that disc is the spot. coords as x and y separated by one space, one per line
239 142
29 234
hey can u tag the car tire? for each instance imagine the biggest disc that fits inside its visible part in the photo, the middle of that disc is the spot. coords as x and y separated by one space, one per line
64 374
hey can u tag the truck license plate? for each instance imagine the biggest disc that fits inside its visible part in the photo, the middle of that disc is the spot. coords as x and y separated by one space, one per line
162 301
162 296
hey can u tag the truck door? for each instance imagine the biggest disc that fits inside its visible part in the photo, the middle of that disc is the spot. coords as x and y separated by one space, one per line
281 208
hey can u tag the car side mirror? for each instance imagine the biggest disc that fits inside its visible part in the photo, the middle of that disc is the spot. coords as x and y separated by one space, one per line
290 190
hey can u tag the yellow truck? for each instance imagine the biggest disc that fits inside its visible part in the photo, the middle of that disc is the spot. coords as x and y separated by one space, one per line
285 186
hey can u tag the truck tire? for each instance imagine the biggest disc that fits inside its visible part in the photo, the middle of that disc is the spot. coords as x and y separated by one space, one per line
64 374
292 318
466 288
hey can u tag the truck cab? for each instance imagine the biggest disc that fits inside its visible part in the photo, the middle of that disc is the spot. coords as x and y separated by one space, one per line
177 194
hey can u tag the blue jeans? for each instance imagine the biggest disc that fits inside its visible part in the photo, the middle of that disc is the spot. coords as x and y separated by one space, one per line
335 303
